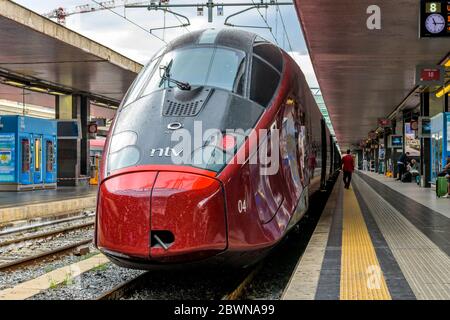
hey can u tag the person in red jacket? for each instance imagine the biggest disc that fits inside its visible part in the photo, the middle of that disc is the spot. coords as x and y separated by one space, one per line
348 165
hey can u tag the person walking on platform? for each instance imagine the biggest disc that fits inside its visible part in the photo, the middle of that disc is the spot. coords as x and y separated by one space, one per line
348 165
401 164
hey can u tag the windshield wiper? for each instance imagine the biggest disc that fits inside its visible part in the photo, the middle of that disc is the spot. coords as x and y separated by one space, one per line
165 76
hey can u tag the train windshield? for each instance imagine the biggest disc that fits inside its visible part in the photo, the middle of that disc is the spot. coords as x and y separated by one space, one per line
201 66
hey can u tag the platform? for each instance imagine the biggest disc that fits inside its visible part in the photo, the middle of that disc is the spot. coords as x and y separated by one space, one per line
27 205
424 196
377 242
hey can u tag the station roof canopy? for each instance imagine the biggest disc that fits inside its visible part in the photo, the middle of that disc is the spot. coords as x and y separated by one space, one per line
39 50
365 74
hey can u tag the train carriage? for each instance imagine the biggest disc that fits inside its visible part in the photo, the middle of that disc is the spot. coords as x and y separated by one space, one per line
213 155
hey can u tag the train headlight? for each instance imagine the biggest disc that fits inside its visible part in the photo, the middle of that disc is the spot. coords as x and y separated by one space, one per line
123 151
122 140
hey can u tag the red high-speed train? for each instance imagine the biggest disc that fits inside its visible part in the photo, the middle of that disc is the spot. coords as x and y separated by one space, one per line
225 207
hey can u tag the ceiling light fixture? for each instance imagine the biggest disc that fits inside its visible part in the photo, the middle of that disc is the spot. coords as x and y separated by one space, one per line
14 83
443 91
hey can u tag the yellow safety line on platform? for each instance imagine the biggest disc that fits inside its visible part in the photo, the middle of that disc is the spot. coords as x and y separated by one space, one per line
32 287
361 274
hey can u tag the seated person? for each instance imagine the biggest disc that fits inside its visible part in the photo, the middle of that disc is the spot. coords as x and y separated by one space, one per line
414 168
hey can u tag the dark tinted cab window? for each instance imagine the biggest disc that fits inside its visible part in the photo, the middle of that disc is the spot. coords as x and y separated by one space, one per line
264 83
270 53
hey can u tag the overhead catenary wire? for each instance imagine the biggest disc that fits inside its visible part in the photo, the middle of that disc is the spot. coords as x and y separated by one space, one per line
130 21
265 21
181 22
284 27
276 22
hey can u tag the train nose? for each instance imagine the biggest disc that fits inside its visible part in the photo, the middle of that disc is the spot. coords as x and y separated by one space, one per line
187 217
123 214
162 216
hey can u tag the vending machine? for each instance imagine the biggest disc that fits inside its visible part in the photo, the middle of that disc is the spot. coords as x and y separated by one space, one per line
28 153
440 143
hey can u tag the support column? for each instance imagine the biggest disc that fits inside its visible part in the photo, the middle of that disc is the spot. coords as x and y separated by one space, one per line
394 155
85 168
376 154
73 154
425 145
387 151
446 103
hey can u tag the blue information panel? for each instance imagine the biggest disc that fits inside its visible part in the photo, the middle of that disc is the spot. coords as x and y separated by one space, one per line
7 157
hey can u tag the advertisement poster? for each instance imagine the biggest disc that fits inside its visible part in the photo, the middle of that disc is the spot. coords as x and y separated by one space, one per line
412 144
448 136
7 157
381 153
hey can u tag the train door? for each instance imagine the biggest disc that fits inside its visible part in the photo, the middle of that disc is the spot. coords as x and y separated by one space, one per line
49 158
37 159
25 159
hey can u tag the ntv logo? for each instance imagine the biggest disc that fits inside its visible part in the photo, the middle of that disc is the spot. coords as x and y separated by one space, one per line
374 20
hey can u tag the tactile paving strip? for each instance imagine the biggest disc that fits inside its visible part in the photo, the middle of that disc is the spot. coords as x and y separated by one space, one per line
361 274
425 266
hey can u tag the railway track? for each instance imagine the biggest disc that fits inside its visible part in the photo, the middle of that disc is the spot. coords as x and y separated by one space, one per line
123 289
20 250
29 227
32 258
241 286
45 234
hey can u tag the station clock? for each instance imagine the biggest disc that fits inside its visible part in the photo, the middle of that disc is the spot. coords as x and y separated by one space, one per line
434 18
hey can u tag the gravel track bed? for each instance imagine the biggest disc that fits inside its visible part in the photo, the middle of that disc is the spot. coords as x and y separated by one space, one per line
32 247
89 285
186 285
158 285
11 278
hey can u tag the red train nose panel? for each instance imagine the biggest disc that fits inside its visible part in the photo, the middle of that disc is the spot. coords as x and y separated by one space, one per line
190 208
124 213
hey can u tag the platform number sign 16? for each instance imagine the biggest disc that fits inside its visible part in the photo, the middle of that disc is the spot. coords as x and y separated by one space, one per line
242 206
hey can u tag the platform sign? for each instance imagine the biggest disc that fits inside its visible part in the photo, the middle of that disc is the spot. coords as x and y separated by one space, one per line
395 141
7 157
434 18
430 75
384 122
373 135
424 127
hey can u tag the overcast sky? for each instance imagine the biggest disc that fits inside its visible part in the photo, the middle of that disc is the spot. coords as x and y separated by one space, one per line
120 35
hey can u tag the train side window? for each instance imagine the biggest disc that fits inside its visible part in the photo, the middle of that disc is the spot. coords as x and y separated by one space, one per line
25 155
270 53
49 155
265 80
